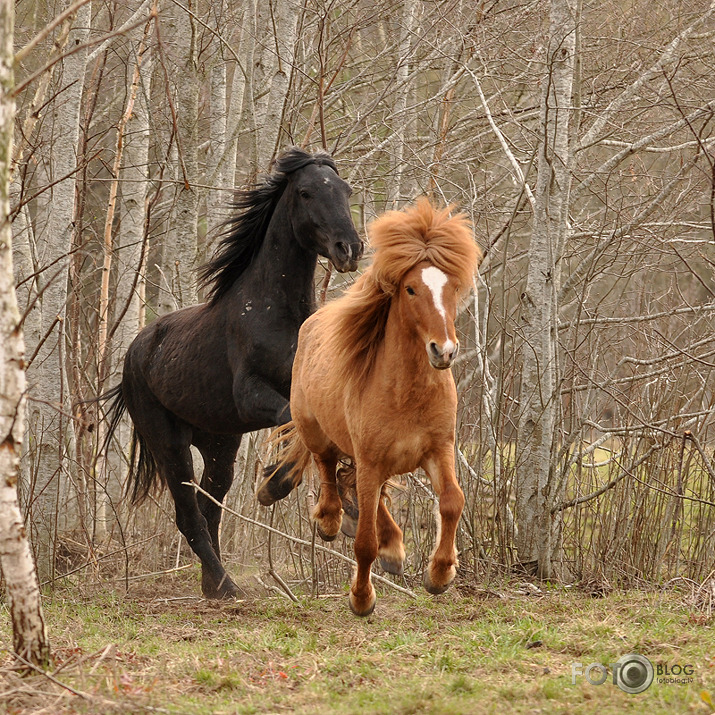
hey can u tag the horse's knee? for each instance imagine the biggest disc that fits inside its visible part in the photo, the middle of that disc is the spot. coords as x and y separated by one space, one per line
365 548
451 504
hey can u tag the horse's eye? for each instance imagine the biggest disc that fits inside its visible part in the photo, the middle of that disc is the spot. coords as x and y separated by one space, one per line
304 194
410 290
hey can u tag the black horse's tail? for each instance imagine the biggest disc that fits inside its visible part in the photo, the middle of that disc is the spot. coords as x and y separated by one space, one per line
142 467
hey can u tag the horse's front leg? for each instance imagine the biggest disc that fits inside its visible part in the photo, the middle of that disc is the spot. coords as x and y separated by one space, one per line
442 566
259 404
362 593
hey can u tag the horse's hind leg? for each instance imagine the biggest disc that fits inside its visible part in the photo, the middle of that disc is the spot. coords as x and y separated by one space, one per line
278 483
391 548
169 439
345 479
328 512
215 582
219 455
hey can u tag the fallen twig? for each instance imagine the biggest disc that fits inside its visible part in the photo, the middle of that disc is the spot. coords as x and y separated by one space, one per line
296 540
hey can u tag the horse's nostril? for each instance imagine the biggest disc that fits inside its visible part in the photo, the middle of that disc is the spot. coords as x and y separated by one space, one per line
342 249
434 349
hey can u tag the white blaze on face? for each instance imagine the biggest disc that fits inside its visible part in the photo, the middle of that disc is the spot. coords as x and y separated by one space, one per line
436 280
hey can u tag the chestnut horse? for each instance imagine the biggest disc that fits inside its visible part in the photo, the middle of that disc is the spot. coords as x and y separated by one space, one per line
371 382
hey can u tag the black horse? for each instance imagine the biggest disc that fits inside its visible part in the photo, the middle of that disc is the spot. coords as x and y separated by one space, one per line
206 374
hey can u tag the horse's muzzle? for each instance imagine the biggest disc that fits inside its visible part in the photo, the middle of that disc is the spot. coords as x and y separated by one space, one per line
441 356
345 256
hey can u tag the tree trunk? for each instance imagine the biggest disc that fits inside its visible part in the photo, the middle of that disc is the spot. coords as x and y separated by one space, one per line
396 188
50 432
132 177
272 68
537 443
29 635
179 251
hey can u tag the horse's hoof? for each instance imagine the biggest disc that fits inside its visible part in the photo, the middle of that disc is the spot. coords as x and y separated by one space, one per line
434 588
323 535
349 526
226 591
276 485
393 566
365 611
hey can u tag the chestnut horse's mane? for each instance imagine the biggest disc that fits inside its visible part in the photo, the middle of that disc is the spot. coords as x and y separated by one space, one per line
355 323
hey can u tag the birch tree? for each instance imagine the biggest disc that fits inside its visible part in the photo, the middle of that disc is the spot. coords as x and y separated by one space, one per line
226 107
537 475
29 636
404 87
131 164
180 32
50 432
275 25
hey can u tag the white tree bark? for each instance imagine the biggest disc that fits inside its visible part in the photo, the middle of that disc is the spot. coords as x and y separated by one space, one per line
29 635
539 400
276 24
215 168
179 251
226 109
396 190
129 265
134 181
50 432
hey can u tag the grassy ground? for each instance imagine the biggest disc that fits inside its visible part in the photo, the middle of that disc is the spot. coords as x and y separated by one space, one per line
502 650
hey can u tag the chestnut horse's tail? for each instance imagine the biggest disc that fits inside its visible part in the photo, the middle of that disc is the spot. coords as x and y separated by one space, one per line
282 477
142 467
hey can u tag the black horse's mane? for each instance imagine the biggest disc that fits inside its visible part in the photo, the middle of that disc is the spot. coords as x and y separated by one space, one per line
243 234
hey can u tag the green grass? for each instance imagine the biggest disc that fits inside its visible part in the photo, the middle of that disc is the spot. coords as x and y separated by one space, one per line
451 654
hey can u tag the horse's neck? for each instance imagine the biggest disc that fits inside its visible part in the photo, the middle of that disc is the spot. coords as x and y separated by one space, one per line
283 269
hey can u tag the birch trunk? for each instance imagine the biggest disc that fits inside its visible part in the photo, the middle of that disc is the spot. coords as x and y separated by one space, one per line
179 252
226 109
129 265
536 474
216 202
134 181
277 22
396 191
16 564
50 432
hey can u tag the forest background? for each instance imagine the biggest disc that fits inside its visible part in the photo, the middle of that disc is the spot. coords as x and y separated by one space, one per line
578 137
